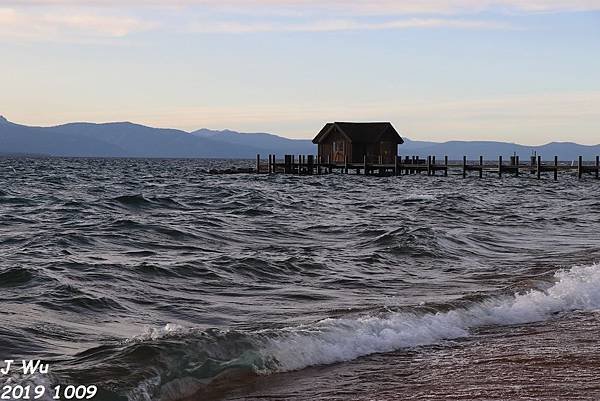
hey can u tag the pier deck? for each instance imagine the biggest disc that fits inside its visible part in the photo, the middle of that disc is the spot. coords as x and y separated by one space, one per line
309 165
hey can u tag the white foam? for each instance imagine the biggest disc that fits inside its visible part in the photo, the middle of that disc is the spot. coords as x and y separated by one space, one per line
145 390
156 333
337 340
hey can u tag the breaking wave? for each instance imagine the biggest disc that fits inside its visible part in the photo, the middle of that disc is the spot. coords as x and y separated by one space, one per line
336 340
343 339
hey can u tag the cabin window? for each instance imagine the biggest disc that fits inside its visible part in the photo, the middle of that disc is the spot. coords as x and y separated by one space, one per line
338 146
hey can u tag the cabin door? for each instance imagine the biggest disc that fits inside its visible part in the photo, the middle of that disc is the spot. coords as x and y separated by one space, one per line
339 152
385 150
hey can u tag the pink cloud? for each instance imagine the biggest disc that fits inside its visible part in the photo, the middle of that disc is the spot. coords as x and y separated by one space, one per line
373 7
48 26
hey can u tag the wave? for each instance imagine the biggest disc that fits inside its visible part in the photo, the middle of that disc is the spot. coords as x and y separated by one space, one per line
344 339
140 201
208 354
16 200
410 198
70 297
15 277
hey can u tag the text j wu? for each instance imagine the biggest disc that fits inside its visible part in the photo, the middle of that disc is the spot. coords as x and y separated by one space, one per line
28 367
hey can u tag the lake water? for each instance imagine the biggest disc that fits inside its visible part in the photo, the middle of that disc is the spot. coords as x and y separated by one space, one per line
156 281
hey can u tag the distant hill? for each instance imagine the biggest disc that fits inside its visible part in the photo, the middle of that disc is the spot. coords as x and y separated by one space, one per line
491 150
16 138
134 140
125 139
275 144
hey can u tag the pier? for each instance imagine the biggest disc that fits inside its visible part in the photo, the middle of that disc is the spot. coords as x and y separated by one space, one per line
371 148
430 166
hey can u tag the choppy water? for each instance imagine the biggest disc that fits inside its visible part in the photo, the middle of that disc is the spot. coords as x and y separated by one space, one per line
157 281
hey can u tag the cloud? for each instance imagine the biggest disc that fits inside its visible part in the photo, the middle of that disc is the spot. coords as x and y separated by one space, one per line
467 6
66 25
371 7
343 25
84 20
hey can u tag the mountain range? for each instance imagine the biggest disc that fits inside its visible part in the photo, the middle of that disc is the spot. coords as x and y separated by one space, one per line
125 139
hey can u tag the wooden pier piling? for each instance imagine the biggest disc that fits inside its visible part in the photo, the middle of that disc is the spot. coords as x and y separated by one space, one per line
500 166
480 166
310 164
429 165
446 166
287 168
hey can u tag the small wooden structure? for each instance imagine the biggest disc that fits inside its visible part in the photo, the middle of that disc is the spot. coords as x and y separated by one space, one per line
349 142
371 148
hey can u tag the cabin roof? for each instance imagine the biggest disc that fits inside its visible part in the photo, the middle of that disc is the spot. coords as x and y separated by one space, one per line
358 132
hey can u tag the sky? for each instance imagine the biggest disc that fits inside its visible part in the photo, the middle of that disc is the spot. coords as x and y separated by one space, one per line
525 71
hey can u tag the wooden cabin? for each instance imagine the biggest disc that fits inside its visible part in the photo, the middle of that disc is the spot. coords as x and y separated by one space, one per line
345 141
